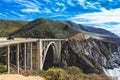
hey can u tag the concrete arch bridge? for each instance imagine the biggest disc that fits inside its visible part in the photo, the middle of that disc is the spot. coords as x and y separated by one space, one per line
30 53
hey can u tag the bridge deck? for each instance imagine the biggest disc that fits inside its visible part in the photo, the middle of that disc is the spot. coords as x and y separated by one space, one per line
5 42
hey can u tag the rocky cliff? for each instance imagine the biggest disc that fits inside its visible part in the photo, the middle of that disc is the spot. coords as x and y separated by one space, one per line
91 55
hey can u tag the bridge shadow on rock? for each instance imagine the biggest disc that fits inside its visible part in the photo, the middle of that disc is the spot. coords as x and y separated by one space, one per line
49 61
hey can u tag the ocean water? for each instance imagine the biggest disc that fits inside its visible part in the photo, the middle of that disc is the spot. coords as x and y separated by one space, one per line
113 73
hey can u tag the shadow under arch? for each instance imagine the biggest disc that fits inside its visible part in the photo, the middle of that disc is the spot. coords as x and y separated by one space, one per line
50 57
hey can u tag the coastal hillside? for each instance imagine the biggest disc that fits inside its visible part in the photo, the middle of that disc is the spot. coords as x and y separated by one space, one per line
94 32
44 28
9 26
90 30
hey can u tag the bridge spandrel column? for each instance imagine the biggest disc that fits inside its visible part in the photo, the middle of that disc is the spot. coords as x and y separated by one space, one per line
25 56
8 59
17 56
31 56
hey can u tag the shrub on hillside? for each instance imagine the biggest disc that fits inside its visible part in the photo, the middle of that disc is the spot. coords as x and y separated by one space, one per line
3 68
55 74
75 72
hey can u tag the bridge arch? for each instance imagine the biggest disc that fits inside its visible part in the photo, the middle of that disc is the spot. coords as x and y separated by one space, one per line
51 55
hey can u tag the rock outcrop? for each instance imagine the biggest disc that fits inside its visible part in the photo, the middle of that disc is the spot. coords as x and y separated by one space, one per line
77 36
91 55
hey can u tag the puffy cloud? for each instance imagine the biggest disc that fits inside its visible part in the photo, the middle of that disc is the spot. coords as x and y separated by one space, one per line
99 19
47 1
1 14
60 4
70 3
30 7
88 4
46 10
110 0
82 2
26 5
20 15
29 10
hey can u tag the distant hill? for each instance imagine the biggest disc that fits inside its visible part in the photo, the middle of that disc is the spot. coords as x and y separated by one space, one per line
44 28
94 32
9 26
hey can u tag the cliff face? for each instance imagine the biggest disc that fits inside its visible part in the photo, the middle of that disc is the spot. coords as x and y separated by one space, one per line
77 36
91 55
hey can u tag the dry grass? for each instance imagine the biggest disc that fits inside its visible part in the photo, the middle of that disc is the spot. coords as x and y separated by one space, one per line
19 77
98 77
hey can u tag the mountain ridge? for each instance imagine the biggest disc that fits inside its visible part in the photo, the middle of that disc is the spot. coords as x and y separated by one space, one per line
45 28
9 26
90 29
95 32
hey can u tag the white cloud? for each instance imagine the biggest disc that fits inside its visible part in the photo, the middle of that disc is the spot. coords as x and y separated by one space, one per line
38 3
82 2
59 4
29 10
87 4
70 3
113 28
47 1
58 9
2 15
27 6
46 10
20 15
60 15
30 7
62 5
93 5
100 18
110 0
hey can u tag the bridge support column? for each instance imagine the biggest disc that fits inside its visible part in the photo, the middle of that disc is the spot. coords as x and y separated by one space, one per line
37 55
8 59
59 44
25 56
31 56
41 60
18 66
58 51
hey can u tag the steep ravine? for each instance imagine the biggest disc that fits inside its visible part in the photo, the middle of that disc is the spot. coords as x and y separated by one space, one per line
91 55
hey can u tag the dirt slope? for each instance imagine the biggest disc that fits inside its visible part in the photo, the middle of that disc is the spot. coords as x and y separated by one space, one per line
19 77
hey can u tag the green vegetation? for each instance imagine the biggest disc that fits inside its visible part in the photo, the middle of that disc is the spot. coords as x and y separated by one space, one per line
43 28
55 73
9 26
71 73
76 73
3 68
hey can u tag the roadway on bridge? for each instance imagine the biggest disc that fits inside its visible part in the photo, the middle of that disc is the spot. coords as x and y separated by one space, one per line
5 42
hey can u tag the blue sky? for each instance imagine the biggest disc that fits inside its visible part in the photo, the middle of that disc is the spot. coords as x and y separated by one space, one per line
98 13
